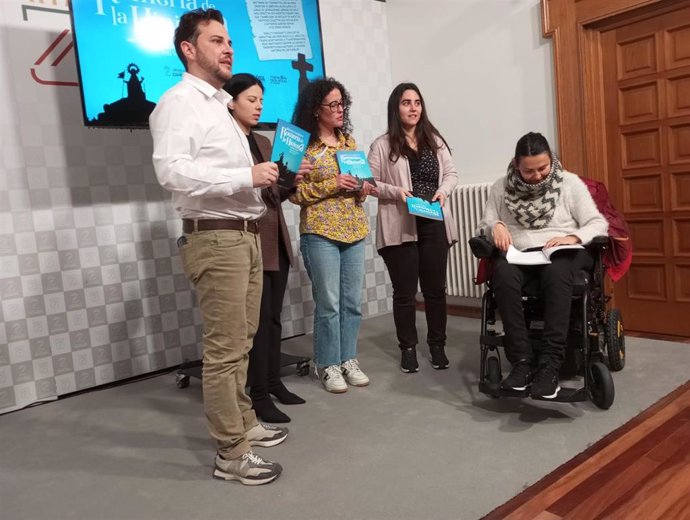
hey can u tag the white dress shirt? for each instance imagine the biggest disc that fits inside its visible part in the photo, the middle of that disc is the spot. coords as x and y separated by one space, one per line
201 155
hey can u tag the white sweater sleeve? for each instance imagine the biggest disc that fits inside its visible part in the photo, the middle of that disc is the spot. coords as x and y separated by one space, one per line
583 209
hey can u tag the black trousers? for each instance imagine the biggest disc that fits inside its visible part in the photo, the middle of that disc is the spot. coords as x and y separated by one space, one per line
422 262
264 357
556 289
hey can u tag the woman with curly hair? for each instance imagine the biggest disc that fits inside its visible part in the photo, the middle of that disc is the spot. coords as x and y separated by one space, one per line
333 226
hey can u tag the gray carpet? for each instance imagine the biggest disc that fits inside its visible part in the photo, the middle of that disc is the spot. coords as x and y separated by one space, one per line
424 445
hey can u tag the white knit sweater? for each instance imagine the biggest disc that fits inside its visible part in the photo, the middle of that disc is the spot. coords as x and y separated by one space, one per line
575 214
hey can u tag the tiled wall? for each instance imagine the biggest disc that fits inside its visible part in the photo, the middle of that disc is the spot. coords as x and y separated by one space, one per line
92 289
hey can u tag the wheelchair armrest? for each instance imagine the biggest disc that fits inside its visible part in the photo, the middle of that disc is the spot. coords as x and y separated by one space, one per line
481 247
600 240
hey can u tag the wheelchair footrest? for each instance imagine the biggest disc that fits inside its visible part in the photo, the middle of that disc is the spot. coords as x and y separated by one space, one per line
495 390
565 395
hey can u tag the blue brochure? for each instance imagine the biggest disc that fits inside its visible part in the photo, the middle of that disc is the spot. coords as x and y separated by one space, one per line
354 162
422 208
289 145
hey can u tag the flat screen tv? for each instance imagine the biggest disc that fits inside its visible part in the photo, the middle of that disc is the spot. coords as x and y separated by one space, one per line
126 59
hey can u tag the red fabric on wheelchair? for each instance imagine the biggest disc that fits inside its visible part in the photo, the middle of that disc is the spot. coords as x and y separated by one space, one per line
619 254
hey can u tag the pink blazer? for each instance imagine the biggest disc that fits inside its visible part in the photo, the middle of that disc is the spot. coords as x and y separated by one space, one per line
394 225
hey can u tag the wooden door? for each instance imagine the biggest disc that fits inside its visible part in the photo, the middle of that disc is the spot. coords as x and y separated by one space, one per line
646 77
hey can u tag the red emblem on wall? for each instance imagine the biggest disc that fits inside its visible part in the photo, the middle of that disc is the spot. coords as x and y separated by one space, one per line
56 52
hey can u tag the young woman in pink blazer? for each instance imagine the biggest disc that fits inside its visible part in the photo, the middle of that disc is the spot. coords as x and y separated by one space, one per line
413 159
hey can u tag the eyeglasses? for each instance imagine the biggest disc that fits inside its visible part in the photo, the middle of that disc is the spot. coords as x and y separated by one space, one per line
333 105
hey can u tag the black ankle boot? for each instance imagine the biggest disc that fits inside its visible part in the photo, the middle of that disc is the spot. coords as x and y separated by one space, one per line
266 411
284 395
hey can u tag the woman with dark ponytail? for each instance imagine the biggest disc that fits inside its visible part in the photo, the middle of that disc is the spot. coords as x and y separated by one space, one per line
538 205
263 376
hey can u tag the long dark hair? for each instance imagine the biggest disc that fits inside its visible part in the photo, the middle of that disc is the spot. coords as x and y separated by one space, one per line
241 82
188 28
309 102
425 132
531 144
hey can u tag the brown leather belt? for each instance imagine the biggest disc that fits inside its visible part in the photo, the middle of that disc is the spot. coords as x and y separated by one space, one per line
252 226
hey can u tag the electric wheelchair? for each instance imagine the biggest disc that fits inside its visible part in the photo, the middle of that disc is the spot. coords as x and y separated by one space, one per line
595 345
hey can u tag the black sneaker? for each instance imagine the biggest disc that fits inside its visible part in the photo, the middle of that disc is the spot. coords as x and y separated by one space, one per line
438 357
408 360
519 378
545 384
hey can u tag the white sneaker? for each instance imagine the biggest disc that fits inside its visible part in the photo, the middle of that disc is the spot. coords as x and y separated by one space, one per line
332 380
353 373
266 435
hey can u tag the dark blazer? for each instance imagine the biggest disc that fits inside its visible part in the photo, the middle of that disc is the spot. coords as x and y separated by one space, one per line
272 227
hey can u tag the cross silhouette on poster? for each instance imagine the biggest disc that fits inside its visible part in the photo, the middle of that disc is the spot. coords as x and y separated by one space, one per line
302 66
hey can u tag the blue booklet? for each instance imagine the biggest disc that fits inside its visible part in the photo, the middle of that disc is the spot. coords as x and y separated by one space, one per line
424 208
354 162
289 146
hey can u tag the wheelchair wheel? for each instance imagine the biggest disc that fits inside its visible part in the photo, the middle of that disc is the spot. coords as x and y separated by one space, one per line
615 340
601 389
493 370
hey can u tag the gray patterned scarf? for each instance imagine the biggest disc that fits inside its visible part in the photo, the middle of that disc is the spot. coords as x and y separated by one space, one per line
533 205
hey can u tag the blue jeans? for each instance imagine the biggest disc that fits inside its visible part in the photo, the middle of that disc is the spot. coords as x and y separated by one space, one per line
336 271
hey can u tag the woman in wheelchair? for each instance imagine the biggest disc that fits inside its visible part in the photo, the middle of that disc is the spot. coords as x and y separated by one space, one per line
538 205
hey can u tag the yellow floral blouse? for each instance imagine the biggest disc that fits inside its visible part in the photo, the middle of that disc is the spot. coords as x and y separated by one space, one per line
326 210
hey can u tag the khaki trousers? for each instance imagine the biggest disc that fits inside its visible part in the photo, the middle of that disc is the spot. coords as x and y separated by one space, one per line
226 269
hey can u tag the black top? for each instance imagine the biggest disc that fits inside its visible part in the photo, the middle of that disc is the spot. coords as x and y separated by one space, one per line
424 170
254 148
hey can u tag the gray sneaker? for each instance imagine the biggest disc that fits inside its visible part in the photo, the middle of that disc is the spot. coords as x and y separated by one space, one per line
266 435
250 469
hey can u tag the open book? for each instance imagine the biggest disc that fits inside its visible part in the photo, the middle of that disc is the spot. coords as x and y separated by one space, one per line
542 256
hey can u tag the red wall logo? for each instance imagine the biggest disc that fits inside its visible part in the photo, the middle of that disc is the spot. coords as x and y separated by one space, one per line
47 63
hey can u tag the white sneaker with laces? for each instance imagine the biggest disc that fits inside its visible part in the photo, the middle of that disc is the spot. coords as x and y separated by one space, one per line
250 469
332 379
353 373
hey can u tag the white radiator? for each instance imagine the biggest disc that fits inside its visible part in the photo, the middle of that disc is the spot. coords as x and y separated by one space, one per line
467 203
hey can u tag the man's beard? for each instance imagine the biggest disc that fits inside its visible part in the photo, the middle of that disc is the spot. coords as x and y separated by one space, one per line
214 69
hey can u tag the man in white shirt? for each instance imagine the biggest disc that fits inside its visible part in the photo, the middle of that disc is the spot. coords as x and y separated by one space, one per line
201 156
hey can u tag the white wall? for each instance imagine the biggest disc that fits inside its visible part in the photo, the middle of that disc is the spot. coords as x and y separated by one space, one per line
484 70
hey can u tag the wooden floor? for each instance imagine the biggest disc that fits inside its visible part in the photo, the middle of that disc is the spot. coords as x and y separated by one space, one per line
640 471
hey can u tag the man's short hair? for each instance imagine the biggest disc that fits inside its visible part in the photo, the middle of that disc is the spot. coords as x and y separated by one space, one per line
188 28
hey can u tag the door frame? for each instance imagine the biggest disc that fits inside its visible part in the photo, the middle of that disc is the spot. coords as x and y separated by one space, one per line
575 26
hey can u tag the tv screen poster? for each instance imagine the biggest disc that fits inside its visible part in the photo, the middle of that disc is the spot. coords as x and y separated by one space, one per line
127 60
